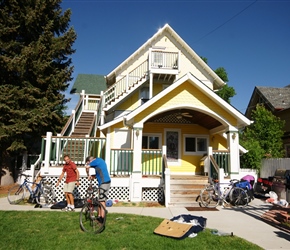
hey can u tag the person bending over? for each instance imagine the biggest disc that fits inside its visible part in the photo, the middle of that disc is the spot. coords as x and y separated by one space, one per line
103 178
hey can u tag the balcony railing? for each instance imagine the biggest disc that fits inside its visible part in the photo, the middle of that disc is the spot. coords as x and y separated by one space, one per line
122 162
152 162
164 60
222 158
77 148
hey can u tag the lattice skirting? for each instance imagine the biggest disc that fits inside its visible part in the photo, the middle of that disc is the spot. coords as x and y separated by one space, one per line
116 193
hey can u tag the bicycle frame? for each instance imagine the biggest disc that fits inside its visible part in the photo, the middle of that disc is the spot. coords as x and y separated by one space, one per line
28 185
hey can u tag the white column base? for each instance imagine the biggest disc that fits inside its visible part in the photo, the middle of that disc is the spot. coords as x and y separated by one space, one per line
136 187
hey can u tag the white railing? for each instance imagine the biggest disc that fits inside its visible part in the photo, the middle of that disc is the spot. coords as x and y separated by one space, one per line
126 82
164 60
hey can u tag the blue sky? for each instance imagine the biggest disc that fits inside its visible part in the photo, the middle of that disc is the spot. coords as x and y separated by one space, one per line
250 39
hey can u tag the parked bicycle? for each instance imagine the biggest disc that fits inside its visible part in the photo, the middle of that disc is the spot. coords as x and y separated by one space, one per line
212 195
42 192
90 212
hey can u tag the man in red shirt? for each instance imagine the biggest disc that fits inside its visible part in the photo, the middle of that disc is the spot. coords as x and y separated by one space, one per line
72 178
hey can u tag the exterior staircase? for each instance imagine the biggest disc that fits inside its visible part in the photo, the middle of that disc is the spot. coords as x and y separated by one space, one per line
184 190
83 126
76 147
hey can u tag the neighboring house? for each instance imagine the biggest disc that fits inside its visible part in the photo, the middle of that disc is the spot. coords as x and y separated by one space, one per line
276 100
154 116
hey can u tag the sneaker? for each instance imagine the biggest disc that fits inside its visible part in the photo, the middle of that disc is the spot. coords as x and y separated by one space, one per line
65 209
100 220
70 209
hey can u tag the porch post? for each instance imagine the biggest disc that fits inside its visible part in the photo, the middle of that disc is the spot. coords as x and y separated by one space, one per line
136 176
150 85
108 150
47 153
233 145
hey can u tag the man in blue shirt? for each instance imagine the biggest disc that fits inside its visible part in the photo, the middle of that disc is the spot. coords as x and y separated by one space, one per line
103 178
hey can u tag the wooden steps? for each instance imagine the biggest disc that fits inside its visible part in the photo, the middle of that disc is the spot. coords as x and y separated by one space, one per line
83 126
184 190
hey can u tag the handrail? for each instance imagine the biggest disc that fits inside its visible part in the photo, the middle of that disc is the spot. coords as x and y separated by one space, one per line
91 129
126 82
164 165
212 160
71 119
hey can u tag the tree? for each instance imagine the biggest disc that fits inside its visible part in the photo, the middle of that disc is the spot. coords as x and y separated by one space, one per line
35 70
263 138
225 92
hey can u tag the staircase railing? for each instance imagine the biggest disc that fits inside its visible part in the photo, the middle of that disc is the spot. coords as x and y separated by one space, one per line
214 168
70 124
126 82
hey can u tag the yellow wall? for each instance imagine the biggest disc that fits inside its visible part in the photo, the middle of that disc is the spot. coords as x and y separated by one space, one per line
190 96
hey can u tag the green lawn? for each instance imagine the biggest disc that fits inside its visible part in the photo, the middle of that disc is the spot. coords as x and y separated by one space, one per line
60 230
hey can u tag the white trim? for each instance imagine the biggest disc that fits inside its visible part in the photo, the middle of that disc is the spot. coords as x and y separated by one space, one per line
179 40
242 120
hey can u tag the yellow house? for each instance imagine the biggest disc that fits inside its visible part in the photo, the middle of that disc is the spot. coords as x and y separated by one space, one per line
156 114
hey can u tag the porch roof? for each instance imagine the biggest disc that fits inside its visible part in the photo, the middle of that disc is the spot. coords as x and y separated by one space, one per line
91 84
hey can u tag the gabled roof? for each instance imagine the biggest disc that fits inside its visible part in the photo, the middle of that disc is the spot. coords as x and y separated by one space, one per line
276 99
92 84
242 120
218 82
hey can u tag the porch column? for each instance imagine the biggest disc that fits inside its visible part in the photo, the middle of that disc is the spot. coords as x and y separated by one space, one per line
150 85
47 153
136 176
233 145
108 149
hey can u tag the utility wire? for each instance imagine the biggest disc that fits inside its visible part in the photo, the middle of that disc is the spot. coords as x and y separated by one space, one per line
215 29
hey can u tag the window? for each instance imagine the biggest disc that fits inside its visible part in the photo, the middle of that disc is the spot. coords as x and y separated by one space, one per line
150 142
195 144
144 94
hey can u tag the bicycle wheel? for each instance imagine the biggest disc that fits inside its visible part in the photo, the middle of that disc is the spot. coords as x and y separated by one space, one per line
16 194
89 218
45 197
209 197
239 197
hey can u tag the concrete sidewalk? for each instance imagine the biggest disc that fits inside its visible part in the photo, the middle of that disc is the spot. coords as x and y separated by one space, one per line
245 223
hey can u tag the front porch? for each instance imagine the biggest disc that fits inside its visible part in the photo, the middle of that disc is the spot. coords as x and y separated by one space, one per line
152 183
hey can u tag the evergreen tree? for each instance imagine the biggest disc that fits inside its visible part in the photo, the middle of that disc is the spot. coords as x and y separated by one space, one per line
263 138
35 70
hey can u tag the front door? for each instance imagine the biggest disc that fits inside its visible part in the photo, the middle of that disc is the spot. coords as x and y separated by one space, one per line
172 142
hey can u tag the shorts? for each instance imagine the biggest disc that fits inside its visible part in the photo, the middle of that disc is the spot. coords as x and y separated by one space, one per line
69 187
104 191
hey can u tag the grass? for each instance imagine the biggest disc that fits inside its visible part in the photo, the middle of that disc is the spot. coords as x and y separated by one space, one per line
60 230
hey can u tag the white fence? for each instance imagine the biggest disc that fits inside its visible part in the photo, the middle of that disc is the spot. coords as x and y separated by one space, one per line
269 166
